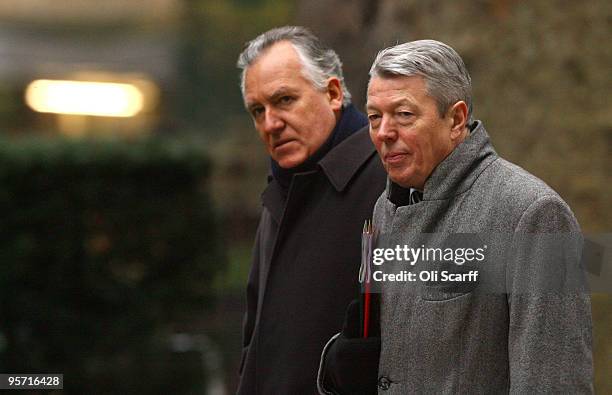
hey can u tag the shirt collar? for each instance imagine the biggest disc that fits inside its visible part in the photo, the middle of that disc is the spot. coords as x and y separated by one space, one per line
399 195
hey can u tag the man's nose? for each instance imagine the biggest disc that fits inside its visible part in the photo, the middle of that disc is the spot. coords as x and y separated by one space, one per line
387 129
273 123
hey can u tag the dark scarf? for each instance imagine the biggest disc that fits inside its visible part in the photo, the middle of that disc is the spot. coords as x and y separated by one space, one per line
351 120
398 195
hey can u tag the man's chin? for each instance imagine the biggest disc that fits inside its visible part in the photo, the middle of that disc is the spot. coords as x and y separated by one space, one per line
288 162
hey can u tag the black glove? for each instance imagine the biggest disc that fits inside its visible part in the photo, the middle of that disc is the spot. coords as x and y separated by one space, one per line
351 362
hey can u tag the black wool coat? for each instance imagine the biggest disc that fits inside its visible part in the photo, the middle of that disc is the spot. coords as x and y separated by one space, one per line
305 267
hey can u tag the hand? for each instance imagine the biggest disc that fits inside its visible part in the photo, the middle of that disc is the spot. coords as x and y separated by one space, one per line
351 362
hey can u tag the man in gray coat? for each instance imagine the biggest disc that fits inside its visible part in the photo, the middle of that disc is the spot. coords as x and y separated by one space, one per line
510 331
325 178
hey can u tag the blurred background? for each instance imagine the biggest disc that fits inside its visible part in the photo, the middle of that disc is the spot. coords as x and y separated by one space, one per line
128 214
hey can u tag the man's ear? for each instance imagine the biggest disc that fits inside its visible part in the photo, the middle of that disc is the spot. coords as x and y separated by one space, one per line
334 93
458 117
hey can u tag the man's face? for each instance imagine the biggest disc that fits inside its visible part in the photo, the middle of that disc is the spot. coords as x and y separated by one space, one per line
407 130
292 117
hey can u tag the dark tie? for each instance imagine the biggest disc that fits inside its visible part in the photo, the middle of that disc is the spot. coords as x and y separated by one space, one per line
415 196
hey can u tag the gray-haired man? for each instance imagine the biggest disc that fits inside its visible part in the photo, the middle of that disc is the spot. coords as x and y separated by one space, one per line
520 335
325 178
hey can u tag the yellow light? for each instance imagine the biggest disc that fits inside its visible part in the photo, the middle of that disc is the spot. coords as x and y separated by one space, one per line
84 98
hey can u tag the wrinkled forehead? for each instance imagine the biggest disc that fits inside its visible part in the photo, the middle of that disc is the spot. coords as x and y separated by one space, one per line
395 89
278 62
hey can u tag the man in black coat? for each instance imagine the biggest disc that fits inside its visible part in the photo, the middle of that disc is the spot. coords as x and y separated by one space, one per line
325 179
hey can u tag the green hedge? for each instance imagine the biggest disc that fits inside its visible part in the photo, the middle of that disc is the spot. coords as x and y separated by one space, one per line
106 248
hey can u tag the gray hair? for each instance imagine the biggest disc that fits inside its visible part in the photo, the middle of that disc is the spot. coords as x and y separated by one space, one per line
443 70
318 62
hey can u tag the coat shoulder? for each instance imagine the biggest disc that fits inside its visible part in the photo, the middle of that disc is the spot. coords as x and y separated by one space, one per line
518 182
533 204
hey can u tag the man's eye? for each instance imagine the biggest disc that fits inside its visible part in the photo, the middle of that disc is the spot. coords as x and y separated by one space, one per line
285 99
373 118
405 114
257 111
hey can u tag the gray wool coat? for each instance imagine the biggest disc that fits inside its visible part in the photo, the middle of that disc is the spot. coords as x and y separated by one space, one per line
454 339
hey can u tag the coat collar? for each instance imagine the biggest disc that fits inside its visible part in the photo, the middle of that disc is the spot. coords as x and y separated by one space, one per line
341 163
339 166
458 171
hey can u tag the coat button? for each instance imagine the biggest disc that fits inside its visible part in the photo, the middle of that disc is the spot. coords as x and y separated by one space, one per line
384 383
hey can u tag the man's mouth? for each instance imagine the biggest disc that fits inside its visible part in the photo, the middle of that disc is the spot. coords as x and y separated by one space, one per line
395 157
280 143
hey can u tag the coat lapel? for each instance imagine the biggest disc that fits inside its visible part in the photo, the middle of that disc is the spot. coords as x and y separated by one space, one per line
273 199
